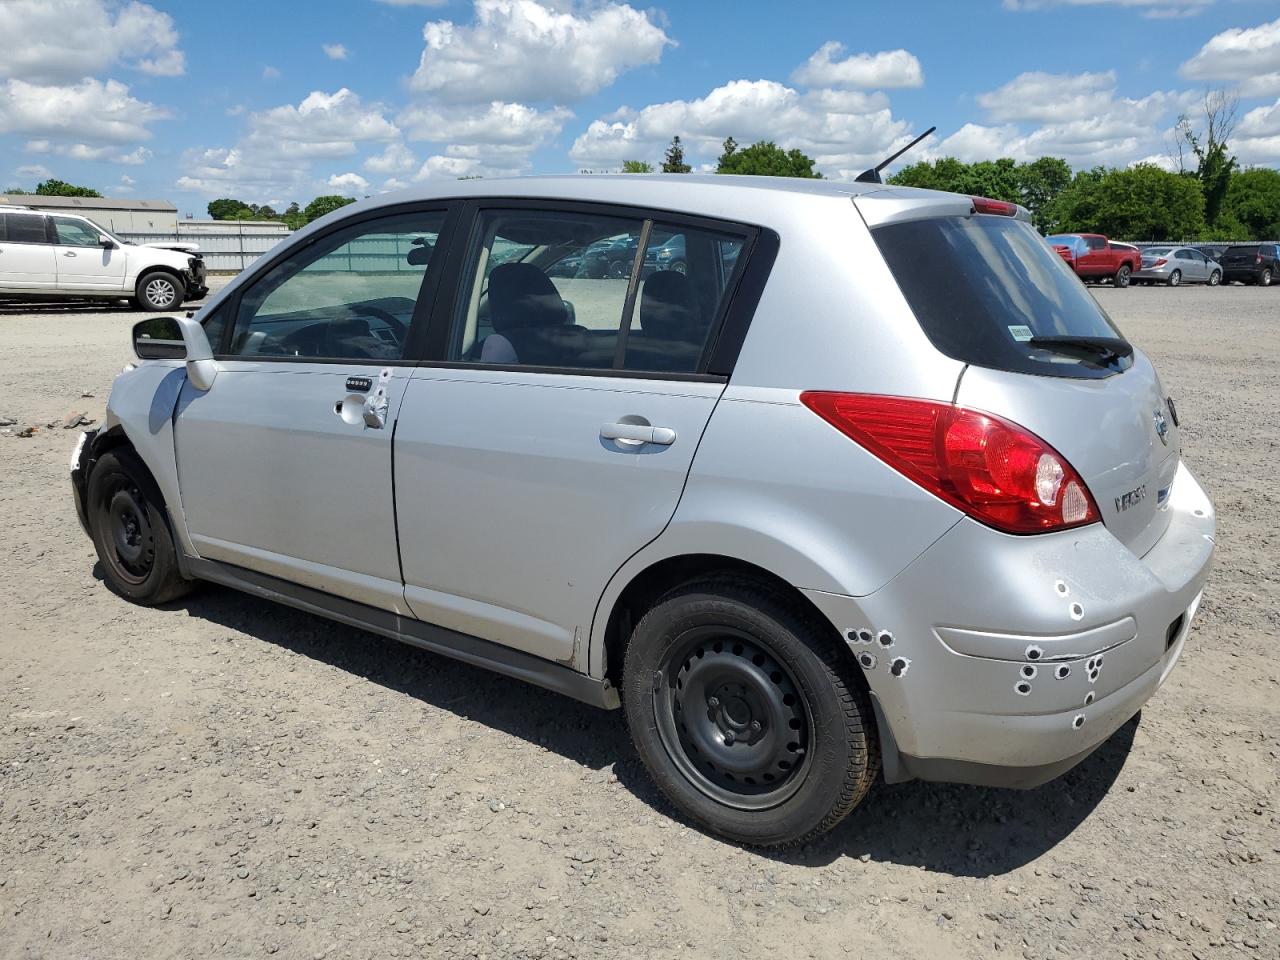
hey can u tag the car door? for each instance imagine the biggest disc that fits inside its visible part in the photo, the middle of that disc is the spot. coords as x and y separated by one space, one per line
285 463
1094 260
26 256
549 436
81 260
1187 264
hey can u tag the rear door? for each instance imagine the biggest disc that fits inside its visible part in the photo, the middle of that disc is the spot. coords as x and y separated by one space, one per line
1109 417
82 262
550 436
26 256
1095 260
285 463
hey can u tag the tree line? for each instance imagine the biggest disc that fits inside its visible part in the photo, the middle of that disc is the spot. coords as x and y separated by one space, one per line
294 216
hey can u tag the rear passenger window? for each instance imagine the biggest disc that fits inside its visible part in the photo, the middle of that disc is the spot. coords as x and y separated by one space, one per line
576 291
24 228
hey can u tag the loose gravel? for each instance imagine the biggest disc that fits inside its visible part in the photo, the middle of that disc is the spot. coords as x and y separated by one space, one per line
228 778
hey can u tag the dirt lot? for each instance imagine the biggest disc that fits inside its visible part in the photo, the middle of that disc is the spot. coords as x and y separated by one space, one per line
228 778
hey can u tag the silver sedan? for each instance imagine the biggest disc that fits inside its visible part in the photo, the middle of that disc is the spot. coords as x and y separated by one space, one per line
1176 265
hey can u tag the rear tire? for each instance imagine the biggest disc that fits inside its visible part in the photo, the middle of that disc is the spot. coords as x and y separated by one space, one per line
748 717
158 291
1175 278
1264 278
131 532
1122 276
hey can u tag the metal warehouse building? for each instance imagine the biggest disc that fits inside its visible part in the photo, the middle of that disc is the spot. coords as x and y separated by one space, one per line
124 216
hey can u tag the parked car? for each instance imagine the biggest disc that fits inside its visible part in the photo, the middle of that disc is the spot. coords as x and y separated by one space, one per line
1093 257
1251 263
1213 251
65 256
801 524
1175 265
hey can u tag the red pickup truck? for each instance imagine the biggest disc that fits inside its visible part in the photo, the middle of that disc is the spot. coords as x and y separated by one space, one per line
1093 257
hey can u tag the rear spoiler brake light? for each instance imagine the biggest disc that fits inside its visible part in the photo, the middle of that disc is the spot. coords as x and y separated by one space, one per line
1000 208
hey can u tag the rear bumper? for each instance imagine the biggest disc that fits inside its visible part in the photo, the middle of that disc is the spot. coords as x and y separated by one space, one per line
1241 274
1006 660
1159 273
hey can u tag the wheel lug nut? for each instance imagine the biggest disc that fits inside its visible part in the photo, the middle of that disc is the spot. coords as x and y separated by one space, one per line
713 702
755 725
729 738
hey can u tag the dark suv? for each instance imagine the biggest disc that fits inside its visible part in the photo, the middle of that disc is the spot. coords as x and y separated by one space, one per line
1251 263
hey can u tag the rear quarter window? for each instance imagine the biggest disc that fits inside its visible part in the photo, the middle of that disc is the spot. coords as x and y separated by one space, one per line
982 286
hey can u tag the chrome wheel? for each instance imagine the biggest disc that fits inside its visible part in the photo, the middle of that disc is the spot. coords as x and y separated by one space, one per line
160 293
1215 278
732 719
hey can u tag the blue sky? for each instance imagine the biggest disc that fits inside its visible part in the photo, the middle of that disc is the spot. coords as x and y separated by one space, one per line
272 102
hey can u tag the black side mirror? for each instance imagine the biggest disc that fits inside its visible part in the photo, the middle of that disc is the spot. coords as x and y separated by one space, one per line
105 241
159 338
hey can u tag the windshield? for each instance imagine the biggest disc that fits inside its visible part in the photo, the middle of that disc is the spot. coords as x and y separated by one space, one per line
983 286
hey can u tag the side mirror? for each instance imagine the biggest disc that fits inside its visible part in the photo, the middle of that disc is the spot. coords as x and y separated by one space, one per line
177 338
105 241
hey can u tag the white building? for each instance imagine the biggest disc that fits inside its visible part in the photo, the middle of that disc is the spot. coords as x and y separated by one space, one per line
125 216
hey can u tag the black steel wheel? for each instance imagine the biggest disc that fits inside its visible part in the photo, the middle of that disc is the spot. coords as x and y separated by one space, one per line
131 532
732 719
748 712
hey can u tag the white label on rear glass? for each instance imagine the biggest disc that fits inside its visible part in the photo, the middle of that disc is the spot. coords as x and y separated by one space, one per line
1021 334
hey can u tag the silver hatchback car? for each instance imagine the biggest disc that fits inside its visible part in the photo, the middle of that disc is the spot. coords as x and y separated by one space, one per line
871 484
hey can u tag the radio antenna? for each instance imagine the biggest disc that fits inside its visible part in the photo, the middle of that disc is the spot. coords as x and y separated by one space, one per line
873 175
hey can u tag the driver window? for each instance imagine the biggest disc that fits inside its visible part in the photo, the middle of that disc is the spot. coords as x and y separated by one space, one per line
349 296
75 233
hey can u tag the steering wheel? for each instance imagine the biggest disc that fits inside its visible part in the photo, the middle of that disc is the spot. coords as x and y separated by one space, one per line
390 319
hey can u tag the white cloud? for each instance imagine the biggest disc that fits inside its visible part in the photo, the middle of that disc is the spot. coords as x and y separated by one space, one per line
890 68
270 73
1260 122
396 158
1250 57
843 130
497 123
1151 9
33 171
58 41
527 50
350 184
134 158
1045 97
38 146
335 51
88 110
1257 138
125 185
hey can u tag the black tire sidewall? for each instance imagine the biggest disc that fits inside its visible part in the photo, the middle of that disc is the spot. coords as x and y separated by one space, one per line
824 797
146 304
1122 277
163 582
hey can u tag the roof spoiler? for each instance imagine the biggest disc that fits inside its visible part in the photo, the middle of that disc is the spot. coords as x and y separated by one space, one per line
873 175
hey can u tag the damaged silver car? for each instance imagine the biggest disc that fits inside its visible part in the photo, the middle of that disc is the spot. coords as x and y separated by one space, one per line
807 512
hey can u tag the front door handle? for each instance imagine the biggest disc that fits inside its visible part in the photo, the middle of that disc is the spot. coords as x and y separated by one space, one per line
638 433
68 253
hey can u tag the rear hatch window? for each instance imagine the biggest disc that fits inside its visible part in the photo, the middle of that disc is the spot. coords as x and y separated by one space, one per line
1240 254
983 286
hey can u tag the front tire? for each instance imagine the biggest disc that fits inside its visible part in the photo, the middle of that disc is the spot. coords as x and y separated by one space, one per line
1175 278
131 532
747 715
1215 278
1122 276
158 291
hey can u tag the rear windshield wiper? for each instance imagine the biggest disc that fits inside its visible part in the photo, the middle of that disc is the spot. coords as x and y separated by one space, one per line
1100 349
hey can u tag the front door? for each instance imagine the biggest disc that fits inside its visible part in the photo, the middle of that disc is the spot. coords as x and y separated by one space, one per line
26 256
285 463
82 262
553 439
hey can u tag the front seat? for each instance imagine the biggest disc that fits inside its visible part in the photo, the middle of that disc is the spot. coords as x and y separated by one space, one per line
528 318
672 330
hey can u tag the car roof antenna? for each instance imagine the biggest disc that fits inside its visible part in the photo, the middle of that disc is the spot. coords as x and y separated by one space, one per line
873 175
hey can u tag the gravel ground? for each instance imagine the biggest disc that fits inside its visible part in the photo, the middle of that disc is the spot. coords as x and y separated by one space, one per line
230 778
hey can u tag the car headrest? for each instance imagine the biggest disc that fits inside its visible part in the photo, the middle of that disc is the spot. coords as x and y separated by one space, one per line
520 296
667 307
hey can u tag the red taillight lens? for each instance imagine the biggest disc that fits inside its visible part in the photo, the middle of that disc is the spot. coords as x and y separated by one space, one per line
1160 263
1257 258
993 470
998 207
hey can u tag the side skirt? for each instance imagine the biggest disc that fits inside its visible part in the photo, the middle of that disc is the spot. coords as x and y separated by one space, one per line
449 643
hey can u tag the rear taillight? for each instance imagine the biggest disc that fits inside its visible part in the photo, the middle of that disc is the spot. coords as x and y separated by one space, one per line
1161 262
1257 258
999 207
995 471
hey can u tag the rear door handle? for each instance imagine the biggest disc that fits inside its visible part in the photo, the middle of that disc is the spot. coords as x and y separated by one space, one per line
638 433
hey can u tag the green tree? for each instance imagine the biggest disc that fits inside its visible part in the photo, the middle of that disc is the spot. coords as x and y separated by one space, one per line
318 207
637 166
1214 162
766 159
946 173
1253 202
1143 202
18 192
293 216
1039 183
674 160
60 188
225 208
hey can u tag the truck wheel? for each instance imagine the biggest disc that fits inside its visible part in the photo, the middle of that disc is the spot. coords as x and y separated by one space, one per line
747 716
1122 275
1264 277
1175 278
131 531
157 291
